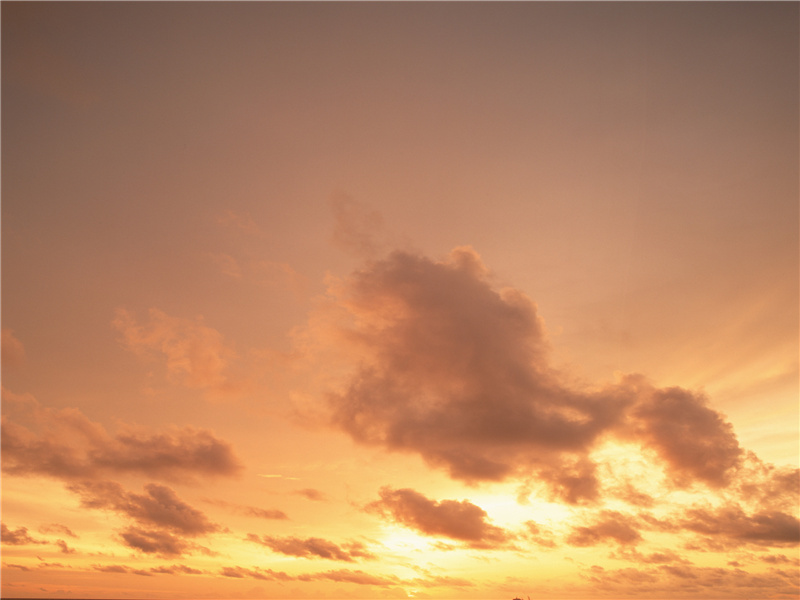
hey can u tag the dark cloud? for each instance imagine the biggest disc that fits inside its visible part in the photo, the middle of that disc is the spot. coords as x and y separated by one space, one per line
457 371
313 547
66 445
13 566
608 526
159 506
250 511
735 527
457 520
348 576
64 547
17 537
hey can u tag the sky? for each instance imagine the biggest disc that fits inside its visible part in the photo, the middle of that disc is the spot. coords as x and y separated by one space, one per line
400 300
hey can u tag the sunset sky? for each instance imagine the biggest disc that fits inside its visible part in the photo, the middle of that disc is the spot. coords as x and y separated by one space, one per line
392 300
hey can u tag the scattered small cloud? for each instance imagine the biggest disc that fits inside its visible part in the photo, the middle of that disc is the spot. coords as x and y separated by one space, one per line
17 537
313 547
454 519
311 494
195 354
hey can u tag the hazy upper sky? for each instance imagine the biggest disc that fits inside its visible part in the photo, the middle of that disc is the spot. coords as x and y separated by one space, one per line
390 300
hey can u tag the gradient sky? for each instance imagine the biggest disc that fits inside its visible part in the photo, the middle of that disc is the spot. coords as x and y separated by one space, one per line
392 300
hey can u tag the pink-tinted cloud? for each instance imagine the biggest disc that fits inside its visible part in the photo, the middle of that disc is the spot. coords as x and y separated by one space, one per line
313 548
66 445
195 354
457 520
357 230
176 570
57 528
17 537
242 222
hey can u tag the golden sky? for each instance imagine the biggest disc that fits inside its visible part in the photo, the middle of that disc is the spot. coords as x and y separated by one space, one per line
394 300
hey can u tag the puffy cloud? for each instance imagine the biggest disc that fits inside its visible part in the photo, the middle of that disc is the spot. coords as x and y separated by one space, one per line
457 520
13 352
195 354
17 537
453 369
160 506
65 444
313 547
608 526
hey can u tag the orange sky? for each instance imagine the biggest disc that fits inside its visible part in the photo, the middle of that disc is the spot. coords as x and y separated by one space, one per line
392 300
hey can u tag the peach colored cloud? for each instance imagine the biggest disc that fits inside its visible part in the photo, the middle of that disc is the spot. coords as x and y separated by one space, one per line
313 547
195 354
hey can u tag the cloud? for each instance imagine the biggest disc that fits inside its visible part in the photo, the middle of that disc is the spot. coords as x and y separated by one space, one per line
357 230
457 520
17 537
448 366
175 570
735 527
693 440
57 528
121 569
609 526
66 445
257 573
242 222
64 547
250 511
313 547
348 576
159 506
311 494
195 354
13 352
158 542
